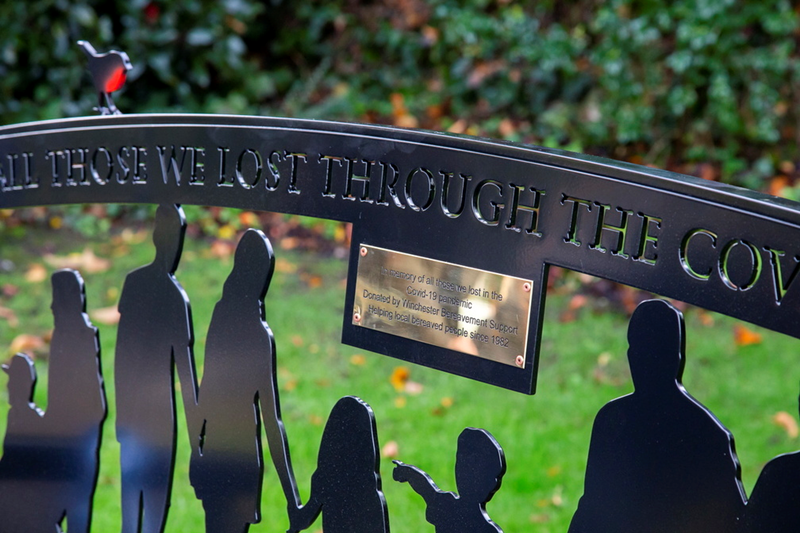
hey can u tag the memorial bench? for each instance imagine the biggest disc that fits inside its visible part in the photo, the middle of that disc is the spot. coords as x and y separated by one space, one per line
452 241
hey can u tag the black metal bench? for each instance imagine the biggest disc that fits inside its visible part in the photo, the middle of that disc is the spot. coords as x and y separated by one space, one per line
453 238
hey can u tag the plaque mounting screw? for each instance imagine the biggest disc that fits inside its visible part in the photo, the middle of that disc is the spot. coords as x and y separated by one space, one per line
520 361
356 317
527 288
363 251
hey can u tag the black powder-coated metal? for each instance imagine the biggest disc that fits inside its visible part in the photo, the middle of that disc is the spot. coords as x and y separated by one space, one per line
658 460
109 72
154 337
346 487
501 207
480 466
239 379
50 460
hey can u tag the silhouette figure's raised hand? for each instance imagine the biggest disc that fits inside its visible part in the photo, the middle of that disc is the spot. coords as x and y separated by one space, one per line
109 72
480 466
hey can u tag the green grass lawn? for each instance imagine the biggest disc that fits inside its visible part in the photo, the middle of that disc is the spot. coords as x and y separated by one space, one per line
545 437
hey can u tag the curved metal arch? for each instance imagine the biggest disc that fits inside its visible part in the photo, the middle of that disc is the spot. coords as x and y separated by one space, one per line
502 207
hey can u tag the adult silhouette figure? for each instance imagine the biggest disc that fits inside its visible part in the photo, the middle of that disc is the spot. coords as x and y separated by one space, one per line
56 456
480 465
774 505
346 487
658 460
76 403
238 389
154 337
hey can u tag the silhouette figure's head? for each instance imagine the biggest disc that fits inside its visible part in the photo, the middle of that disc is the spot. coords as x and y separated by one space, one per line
253 264
349 448
656 346
170 229
69 300
21 380
480 465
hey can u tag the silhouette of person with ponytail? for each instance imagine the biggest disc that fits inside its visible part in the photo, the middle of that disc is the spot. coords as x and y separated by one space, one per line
239 389
346 487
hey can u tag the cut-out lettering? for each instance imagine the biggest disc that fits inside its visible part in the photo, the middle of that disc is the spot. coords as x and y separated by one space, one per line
494 218
780 287
573 224
429 187
462 195
518 191
684 253
619 230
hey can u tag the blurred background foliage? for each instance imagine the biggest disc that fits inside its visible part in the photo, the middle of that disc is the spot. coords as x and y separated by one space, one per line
704 87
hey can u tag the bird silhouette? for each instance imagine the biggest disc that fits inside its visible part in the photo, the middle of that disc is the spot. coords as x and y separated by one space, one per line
108 71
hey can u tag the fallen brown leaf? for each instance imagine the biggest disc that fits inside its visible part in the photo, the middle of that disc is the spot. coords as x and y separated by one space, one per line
787 422
539 518
287 267
10 316
9 290
248 218
222 249
106 315
745 337
26 343
412 387
314 282
399 377
86 261
390 450
36 273
459 126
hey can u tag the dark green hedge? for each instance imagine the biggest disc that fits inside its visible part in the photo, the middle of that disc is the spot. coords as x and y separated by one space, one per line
711 81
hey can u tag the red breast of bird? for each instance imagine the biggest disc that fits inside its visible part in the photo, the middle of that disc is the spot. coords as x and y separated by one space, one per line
115 80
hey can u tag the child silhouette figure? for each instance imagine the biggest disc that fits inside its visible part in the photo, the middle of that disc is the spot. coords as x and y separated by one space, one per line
346 487
21 449
480 465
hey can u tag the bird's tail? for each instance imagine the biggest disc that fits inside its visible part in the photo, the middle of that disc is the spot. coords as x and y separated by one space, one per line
87 48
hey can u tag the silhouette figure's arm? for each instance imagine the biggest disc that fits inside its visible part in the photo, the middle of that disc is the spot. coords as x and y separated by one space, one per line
419 480
184 363
301 517
183 356
276 432
99 407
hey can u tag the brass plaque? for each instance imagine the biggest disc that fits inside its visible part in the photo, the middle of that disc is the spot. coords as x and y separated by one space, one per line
465 309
